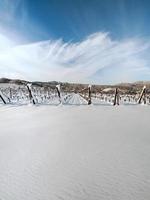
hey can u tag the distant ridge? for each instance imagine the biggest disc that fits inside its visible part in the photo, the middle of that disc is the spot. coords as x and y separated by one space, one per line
131 88
41 83
14 81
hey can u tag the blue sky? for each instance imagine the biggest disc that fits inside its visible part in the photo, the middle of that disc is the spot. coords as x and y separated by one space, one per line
95 41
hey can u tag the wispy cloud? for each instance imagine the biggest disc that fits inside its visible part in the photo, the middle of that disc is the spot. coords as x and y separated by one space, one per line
8 10
13 14
97 59
16 22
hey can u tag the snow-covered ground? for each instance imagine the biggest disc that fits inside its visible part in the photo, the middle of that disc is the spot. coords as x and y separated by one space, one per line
74 152
75 99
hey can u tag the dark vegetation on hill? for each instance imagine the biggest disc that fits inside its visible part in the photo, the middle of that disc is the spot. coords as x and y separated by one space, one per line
130 88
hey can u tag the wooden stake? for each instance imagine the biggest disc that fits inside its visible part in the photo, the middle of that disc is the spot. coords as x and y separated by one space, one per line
58 92
1 97
10 93
89 97
116 100
30 93
143 95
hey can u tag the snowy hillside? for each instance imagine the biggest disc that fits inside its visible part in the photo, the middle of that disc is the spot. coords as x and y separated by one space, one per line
74 153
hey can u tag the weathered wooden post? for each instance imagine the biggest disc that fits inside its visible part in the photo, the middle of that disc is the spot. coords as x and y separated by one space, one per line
30 93
58 91
2 98
89 95
143 95
116 100
10 91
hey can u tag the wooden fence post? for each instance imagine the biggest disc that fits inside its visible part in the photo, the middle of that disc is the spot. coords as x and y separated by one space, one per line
30 93
58 92
116 100
10 91
142 95
89 95
1 97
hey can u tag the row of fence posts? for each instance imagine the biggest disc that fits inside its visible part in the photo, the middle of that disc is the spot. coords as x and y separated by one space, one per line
117 96
89 101
142 96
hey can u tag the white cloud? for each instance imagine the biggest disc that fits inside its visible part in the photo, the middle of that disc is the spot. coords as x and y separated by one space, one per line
98 58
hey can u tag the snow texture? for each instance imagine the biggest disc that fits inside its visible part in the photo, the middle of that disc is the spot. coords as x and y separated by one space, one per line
76 99
74 152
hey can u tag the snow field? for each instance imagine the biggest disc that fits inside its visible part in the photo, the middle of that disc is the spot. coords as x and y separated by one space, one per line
69 153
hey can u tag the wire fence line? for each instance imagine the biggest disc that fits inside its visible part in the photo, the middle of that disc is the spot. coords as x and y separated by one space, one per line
31 94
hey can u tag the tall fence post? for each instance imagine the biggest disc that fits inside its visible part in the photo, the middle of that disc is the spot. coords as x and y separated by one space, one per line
116 99
58 91
2 98
10 93
142 95
89 95
30 93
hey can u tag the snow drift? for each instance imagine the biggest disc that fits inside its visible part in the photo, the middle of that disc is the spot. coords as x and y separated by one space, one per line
74 153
